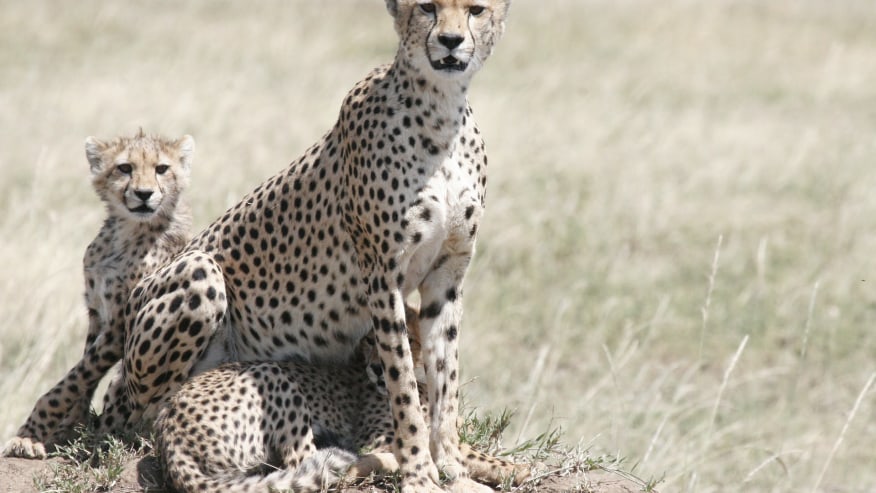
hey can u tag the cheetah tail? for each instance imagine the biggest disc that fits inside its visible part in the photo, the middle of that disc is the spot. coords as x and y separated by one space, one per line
316 473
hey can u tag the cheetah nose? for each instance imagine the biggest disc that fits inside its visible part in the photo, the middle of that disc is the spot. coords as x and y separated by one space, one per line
143 194
451 41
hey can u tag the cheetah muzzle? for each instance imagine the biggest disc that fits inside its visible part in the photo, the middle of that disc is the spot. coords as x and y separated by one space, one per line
449 63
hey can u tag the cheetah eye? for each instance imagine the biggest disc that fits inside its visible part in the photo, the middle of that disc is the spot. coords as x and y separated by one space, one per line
161 169
125 168
475 10
428 7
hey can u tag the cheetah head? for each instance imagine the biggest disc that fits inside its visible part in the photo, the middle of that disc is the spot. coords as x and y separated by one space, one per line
140 177
450 38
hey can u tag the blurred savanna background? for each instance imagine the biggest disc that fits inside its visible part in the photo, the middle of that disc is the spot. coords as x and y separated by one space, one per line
678 261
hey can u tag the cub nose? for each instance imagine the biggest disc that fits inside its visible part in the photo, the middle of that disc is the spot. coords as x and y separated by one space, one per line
451 41
143 194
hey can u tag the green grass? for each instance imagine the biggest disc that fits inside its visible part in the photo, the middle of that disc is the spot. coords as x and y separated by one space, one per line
547 455
625 139
91 462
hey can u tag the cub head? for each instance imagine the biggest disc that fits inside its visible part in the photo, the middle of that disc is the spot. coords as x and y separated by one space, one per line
449 38
140 177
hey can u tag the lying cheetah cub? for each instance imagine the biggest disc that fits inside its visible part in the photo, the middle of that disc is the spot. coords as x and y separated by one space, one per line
249 427
140 179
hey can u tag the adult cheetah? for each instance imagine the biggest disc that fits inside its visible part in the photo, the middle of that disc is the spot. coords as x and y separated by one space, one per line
228 426
140 179
386 203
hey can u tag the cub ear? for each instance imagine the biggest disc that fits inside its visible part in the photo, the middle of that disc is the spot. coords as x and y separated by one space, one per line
186 147
93 151
392 7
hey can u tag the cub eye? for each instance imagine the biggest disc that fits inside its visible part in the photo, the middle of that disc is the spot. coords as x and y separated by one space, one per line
125 168
475 10
161 169
428 8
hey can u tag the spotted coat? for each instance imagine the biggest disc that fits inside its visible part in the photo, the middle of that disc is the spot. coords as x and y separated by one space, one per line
388 202
140 179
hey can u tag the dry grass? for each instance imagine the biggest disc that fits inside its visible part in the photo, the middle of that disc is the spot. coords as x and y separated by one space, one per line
625 139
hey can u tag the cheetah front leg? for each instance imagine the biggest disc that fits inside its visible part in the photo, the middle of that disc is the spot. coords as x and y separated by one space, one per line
440 318
411 438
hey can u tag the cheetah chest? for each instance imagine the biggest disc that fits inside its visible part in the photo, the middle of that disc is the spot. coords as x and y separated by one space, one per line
443 222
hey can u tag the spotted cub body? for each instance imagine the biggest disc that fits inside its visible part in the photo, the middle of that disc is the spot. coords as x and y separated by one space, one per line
250 427
140 179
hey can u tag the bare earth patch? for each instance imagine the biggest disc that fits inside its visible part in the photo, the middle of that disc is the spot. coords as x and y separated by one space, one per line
143 475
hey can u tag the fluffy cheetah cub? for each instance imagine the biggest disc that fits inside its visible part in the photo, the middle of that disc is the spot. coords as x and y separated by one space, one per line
250 427
140 179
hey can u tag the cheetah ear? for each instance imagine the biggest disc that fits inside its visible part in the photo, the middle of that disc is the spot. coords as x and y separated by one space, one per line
186 146
392 7
501 10
93 151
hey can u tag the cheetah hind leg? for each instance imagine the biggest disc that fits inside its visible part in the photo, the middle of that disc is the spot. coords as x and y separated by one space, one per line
172 318
492 470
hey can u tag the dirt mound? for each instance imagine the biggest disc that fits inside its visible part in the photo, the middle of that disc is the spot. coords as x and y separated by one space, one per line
18 476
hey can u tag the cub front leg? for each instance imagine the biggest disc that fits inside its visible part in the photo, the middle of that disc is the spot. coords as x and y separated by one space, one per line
60 409
116 406
411 437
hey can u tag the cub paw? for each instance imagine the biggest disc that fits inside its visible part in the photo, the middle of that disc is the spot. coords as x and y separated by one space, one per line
25 447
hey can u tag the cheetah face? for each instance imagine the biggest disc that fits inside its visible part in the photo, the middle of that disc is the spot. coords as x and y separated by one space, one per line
451 38
140 177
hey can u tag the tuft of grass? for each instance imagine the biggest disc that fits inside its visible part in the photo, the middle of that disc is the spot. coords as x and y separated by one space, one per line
485 432
91 462
546 454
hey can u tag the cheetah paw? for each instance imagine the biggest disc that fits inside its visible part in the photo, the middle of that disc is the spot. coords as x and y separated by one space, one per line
420 485
25 447
466 485
421 488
